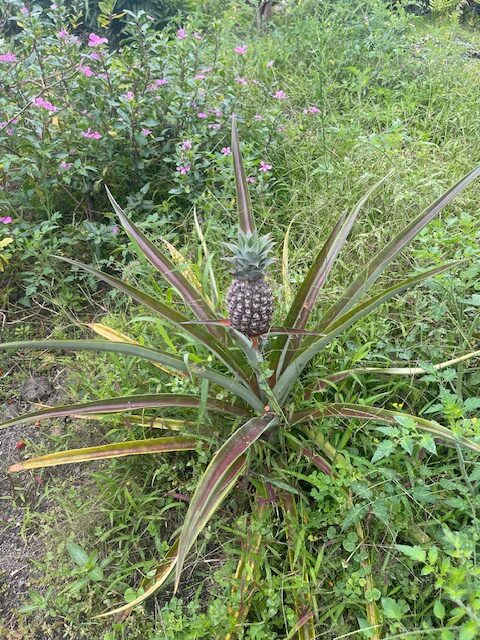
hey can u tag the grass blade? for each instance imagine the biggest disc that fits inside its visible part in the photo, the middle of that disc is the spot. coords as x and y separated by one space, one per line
127 403
244 205
393 371
362 412
145 353
393 249
208 487
106 451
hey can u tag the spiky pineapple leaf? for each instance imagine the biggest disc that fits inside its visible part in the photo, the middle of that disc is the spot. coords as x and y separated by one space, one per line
244 205
145 353
230 358
203 502
164 265
367 413
379 263
127 403
108 451
290 374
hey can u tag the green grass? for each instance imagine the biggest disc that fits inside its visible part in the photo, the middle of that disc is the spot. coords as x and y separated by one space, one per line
394 92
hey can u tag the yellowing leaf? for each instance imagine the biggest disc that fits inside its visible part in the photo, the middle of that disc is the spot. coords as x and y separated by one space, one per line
116 336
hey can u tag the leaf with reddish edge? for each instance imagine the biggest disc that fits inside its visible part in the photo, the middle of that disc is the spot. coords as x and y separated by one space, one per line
146 353
197 515
166 566
368 276
316 277
106 451
127 403
164 265
361 412
230 358
287 379
244 205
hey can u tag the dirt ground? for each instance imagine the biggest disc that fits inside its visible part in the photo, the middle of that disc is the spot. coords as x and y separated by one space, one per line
17 552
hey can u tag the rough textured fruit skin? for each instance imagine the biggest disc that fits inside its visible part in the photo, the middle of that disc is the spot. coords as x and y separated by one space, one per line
250 306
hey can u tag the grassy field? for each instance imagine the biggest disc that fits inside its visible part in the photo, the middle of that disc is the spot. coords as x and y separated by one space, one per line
387 546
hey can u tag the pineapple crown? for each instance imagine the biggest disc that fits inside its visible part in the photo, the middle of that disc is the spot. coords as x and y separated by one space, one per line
251 255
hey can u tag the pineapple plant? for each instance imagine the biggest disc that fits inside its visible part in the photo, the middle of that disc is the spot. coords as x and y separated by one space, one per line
253 386
250 297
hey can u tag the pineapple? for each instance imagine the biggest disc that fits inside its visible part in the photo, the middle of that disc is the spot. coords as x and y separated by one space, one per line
250 298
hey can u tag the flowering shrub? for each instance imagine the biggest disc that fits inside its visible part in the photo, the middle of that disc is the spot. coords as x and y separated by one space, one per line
149 119
76 115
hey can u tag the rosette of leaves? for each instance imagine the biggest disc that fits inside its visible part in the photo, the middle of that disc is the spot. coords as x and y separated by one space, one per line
258 377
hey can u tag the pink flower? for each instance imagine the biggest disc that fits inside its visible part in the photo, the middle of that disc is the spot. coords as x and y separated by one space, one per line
241 50
183 168
6 219
311 110
280 95
86 70
146 132
258 117
93 135
251 179
214 125
8 130
241 80
114 230
102 76
8 57
226 151
264 166
54 6
217 112
202 115
181 34
129 95
66 165
62 34
25 11
197 35
96 41
200 76
270 64
45 104
95 55
186 144
158 83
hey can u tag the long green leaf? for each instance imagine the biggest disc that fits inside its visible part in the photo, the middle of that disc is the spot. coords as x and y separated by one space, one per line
322 266
244 205
145 353
165 266
368 276
309 290
361 412
127 403
231 359
102 452
208 487
166 566
332 331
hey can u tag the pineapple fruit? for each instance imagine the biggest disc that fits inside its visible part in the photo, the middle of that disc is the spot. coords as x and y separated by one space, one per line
250 297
